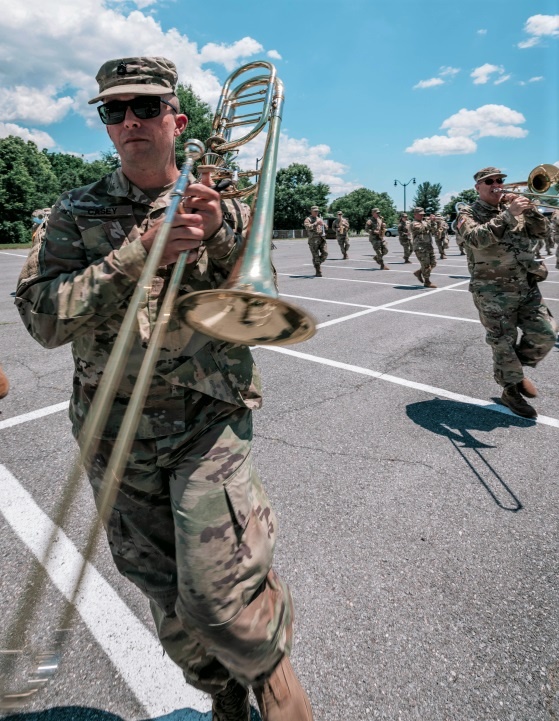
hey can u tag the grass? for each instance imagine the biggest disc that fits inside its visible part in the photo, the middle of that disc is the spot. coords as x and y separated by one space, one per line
14 246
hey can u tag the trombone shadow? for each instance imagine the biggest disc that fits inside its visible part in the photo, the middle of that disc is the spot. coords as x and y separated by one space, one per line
85 713
457 421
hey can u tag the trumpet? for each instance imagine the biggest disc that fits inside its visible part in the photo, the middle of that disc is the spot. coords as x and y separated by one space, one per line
542 184
247 311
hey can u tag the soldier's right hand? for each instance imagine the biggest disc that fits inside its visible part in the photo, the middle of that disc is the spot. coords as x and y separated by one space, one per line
186 234
519 205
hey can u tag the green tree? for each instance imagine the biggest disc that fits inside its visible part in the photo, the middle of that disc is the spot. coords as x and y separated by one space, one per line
200 118
465 196
296 194
357 206
27 181
428 197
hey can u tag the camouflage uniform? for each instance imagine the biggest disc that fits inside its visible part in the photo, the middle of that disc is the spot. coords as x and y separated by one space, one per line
548 241
192 526
440 234
504 285
317 241
341 226
423 247
404 236
554 223
376 227
39 217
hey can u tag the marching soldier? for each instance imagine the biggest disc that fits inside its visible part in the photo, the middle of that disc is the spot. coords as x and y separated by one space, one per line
314 225
404 236
501 232
421 230
341 226
39 218
442 242
376 227
554 222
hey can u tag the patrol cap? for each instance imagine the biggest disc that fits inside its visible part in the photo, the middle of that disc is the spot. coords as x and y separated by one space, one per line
404 215
315 207
143 76
417 209
339 212
488 173
375 210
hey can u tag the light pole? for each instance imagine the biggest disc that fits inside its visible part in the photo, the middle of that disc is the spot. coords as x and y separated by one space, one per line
411 180
257 161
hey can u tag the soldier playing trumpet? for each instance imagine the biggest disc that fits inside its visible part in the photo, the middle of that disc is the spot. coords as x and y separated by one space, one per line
501 232
314 225
341 226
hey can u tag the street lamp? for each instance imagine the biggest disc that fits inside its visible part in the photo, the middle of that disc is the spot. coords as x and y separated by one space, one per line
257 161
411 180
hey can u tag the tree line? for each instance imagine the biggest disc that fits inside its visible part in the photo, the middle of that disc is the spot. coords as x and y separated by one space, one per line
31 178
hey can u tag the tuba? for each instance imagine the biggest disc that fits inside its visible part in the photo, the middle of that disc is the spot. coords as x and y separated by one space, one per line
246 311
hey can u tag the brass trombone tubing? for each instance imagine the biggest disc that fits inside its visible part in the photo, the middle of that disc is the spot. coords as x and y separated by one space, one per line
534 197
96 420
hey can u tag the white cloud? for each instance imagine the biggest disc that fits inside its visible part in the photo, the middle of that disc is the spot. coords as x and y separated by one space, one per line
447 197
536 79
274 55
482 74
538 27
229 55
299 150
486 121
502 79
466 126
448 70
431 83
33 105
482 31
39 137
442 145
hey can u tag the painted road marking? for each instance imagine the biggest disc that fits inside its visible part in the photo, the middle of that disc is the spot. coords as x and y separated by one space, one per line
16 420
432 390
154 679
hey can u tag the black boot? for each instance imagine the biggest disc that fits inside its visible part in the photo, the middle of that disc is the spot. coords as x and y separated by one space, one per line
318 272
231 704
512 399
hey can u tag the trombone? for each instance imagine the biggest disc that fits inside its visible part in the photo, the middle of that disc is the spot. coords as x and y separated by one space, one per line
542 184
246 312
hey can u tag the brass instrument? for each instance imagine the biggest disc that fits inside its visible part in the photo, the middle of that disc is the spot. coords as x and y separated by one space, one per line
542 184
246 311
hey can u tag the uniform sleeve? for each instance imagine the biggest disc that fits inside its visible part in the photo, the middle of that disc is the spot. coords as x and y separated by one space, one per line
536 224
307 223
61 295
484 235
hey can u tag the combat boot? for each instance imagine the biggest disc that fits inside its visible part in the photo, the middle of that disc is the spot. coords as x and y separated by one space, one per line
318 272
384 267
407 260
4 385
443 257
512 399
418 275
231 704
428 284
527 388
281 697
346 256
462 252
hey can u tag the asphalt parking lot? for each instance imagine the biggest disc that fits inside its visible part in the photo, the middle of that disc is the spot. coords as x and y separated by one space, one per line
418 517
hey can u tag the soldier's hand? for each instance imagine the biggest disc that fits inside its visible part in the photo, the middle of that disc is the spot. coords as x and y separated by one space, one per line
519 205
186 234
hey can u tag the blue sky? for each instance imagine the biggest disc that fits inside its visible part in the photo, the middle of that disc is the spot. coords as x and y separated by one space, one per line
374 90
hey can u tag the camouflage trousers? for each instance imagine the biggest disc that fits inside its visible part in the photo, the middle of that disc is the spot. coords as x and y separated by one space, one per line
380 248
407 246
426 257
193 529
319 249
343 242
549 245
503 315
442 244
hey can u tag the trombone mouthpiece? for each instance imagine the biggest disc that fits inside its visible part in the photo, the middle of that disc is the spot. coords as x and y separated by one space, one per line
194 148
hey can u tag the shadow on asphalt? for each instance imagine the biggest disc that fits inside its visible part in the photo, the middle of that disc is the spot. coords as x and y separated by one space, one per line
456 421
83 713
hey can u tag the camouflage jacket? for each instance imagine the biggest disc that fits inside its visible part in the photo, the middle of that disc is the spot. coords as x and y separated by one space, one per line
341 227
314 227
404 230
375 227
421 231
77 282
501 247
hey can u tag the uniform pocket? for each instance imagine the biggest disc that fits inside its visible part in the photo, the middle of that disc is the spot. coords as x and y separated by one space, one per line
238 489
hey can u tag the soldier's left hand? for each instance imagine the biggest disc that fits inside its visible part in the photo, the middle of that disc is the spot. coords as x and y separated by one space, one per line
206 204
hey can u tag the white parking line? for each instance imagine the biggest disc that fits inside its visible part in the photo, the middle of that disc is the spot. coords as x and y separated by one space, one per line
432 390
16 420
373 307
154 679
13 255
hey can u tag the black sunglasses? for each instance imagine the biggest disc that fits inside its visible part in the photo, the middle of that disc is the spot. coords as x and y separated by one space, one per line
490 181
144 107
